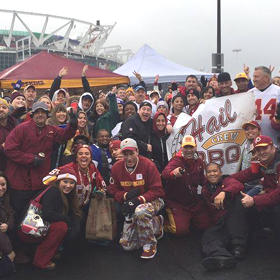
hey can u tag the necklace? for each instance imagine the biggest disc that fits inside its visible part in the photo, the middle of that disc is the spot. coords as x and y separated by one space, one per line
86 190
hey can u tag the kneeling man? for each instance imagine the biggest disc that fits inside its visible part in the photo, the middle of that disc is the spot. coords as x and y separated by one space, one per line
136 185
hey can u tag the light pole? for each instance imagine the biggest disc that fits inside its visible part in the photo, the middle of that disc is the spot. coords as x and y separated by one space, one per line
219 49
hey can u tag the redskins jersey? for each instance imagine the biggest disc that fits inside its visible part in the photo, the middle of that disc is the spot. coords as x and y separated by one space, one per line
266 104
144 176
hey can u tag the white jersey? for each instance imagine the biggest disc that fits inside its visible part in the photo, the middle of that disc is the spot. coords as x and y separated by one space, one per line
266 104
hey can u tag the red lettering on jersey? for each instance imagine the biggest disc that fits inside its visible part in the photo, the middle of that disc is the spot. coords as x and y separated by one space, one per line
269 108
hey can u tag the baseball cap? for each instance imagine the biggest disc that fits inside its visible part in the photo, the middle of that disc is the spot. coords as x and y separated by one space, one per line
145 103
139 87
254 123
81 137
116 144
262 141
129 144
224 77
28 86
241 76
188 140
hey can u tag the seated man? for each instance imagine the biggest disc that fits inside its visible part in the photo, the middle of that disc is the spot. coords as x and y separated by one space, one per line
136 186
183 174
252 130
265 204
218 193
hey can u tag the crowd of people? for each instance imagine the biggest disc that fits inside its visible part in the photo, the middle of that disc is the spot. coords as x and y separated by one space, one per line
68 149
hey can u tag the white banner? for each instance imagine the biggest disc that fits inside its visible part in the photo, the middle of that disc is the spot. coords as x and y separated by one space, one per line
216 126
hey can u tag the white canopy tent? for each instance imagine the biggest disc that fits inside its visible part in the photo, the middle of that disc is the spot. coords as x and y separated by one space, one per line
149 63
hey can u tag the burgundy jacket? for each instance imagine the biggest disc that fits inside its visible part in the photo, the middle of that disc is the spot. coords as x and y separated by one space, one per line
228 185
22 144
270 181
183 190
4 132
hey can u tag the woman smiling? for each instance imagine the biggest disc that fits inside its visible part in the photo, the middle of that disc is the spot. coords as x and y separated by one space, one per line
88 176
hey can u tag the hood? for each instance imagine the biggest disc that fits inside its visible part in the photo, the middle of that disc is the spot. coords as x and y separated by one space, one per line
159 133
80 101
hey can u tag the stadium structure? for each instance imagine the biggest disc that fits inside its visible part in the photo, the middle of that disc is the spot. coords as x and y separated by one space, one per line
57 34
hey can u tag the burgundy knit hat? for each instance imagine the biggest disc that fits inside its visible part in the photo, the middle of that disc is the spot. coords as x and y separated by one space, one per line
83 146
15 95
67 172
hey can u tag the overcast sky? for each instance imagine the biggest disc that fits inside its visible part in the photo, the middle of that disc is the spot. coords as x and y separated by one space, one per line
183 31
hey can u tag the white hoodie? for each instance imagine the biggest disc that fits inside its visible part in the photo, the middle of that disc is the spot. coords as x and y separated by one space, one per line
80 101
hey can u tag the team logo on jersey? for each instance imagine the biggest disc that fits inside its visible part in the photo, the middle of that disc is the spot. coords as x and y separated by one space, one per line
94 175
139 176
111 181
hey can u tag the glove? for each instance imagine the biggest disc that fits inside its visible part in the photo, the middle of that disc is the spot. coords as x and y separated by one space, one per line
19 112
277 112
203 81
38 161
130 206
17 85
73 118
174 86
132 193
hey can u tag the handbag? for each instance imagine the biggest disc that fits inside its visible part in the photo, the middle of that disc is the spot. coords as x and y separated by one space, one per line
32 223
102 220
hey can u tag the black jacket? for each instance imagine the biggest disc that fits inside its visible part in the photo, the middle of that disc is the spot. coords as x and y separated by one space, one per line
7 217
159 152
52 207
134 128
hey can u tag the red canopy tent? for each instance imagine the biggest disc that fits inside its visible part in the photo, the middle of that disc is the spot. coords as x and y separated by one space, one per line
41 69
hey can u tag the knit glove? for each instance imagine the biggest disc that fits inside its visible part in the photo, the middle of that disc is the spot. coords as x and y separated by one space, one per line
203 81
174 86
132 193
130 206
73 118
38 161
19 112
277 113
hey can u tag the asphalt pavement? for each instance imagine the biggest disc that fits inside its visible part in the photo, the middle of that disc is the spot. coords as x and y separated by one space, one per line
177 258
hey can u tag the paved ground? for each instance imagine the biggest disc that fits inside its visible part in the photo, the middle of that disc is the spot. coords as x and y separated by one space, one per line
176 259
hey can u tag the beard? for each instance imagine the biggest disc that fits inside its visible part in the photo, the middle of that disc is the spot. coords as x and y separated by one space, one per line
3 116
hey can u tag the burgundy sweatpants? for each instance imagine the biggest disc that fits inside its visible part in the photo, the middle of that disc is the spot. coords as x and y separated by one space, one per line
48 244
179 217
